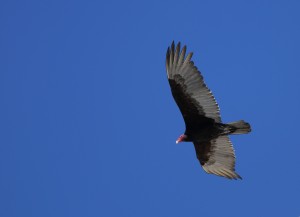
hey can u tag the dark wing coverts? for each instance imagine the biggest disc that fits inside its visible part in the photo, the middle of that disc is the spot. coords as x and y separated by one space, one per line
194 99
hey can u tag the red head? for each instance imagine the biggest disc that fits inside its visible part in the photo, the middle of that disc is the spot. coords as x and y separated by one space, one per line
181 138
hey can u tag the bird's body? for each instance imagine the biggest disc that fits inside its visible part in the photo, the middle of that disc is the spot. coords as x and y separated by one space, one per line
202 115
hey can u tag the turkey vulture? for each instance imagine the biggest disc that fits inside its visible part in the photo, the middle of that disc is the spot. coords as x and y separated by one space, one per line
201 115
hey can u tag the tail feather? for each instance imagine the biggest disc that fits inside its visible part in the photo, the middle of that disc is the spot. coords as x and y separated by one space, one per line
239 127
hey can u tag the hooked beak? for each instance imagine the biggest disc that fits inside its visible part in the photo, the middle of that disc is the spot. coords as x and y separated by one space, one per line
181 138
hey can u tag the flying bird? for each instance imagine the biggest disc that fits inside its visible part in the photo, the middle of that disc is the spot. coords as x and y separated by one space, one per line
201 115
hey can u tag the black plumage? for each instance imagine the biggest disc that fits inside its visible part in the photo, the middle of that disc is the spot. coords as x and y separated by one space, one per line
201 115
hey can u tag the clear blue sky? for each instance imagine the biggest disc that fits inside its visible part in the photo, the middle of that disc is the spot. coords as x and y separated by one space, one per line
88 124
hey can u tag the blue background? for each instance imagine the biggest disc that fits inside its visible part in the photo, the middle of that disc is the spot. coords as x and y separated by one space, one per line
88 124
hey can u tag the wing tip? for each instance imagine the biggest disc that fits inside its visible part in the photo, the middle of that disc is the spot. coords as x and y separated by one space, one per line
224 173
233 176
236 176
173 56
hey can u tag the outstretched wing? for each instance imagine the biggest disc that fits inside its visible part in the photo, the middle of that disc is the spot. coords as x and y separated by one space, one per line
217 157
195 101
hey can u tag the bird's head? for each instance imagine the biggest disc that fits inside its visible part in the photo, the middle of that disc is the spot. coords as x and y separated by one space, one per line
181 138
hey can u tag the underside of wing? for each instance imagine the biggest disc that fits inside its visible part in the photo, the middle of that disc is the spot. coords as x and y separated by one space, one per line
217 157
194 99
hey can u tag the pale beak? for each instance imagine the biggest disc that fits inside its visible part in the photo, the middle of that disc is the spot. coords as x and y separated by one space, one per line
177 141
